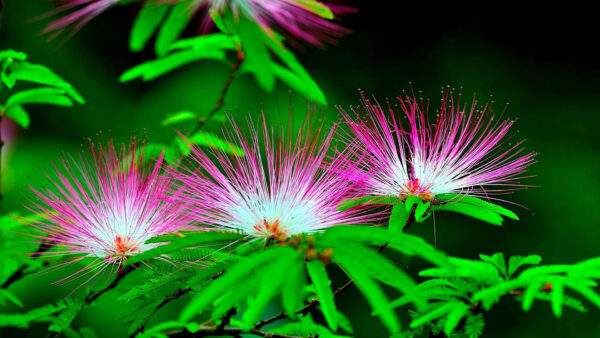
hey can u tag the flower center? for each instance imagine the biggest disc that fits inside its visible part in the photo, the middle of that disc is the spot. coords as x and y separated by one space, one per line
124 246
271 230
414 188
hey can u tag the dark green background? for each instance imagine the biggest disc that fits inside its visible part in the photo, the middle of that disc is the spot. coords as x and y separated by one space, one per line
544 64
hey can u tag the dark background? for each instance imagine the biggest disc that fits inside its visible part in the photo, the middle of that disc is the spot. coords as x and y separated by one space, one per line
543 60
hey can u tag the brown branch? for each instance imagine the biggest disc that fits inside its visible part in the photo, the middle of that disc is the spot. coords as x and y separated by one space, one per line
120 275
210 331
221 100
176 295
20 273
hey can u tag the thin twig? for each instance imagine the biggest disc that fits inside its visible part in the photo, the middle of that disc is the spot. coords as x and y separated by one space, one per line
120 275
20 273
210 331
176 295
221 100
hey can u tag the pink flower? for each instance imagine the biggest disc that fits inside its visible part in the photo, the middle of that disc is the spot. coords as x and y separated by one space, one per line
306 20
280 188
83 11
465 151
106 206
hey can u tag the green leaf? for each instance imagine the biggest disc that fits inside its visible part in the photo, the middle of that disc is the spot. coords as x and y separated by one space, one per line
496 260
256 56
146 23
465 199
23 321
398 218
181 116
292 63
25 71
19 115
372 292
531 292
557 296
215 41
177 242
434 314
515 262
205 139
368 200
268 288
381 269
12 54
405 243
320 279
459 311
319 9
7 295
152 69
231 279
291 294
40 95
583 290
470 210
64 319
172 27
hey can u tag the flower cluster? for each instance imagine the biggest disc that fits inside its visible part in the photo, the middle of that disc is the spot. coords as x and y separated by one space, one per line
282 186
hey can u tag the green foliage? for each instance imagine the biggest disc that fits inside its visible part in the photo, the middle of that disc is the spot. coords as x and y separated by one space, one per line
305 327
147 22
206 139
458 295
264 55
15 68
367 201
248 278
215 239
210 47
473 207
59 316
319 278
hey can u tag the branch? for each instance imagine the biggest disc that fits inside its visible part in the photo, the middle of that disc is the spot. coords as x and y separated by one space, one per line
221 101
121 274
20 273
210 331
165 301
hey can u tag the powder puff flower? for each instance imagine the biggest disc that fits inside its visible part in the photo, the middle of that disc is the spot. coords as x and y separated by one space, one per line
105 206
464 152
279 189
306 20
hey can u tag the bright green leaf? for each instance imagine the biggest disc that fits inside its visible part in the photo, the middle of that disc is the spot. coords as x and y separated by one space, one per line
181 116
320 279
146 23
172 27
515 262
19 115
256 56
44 95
